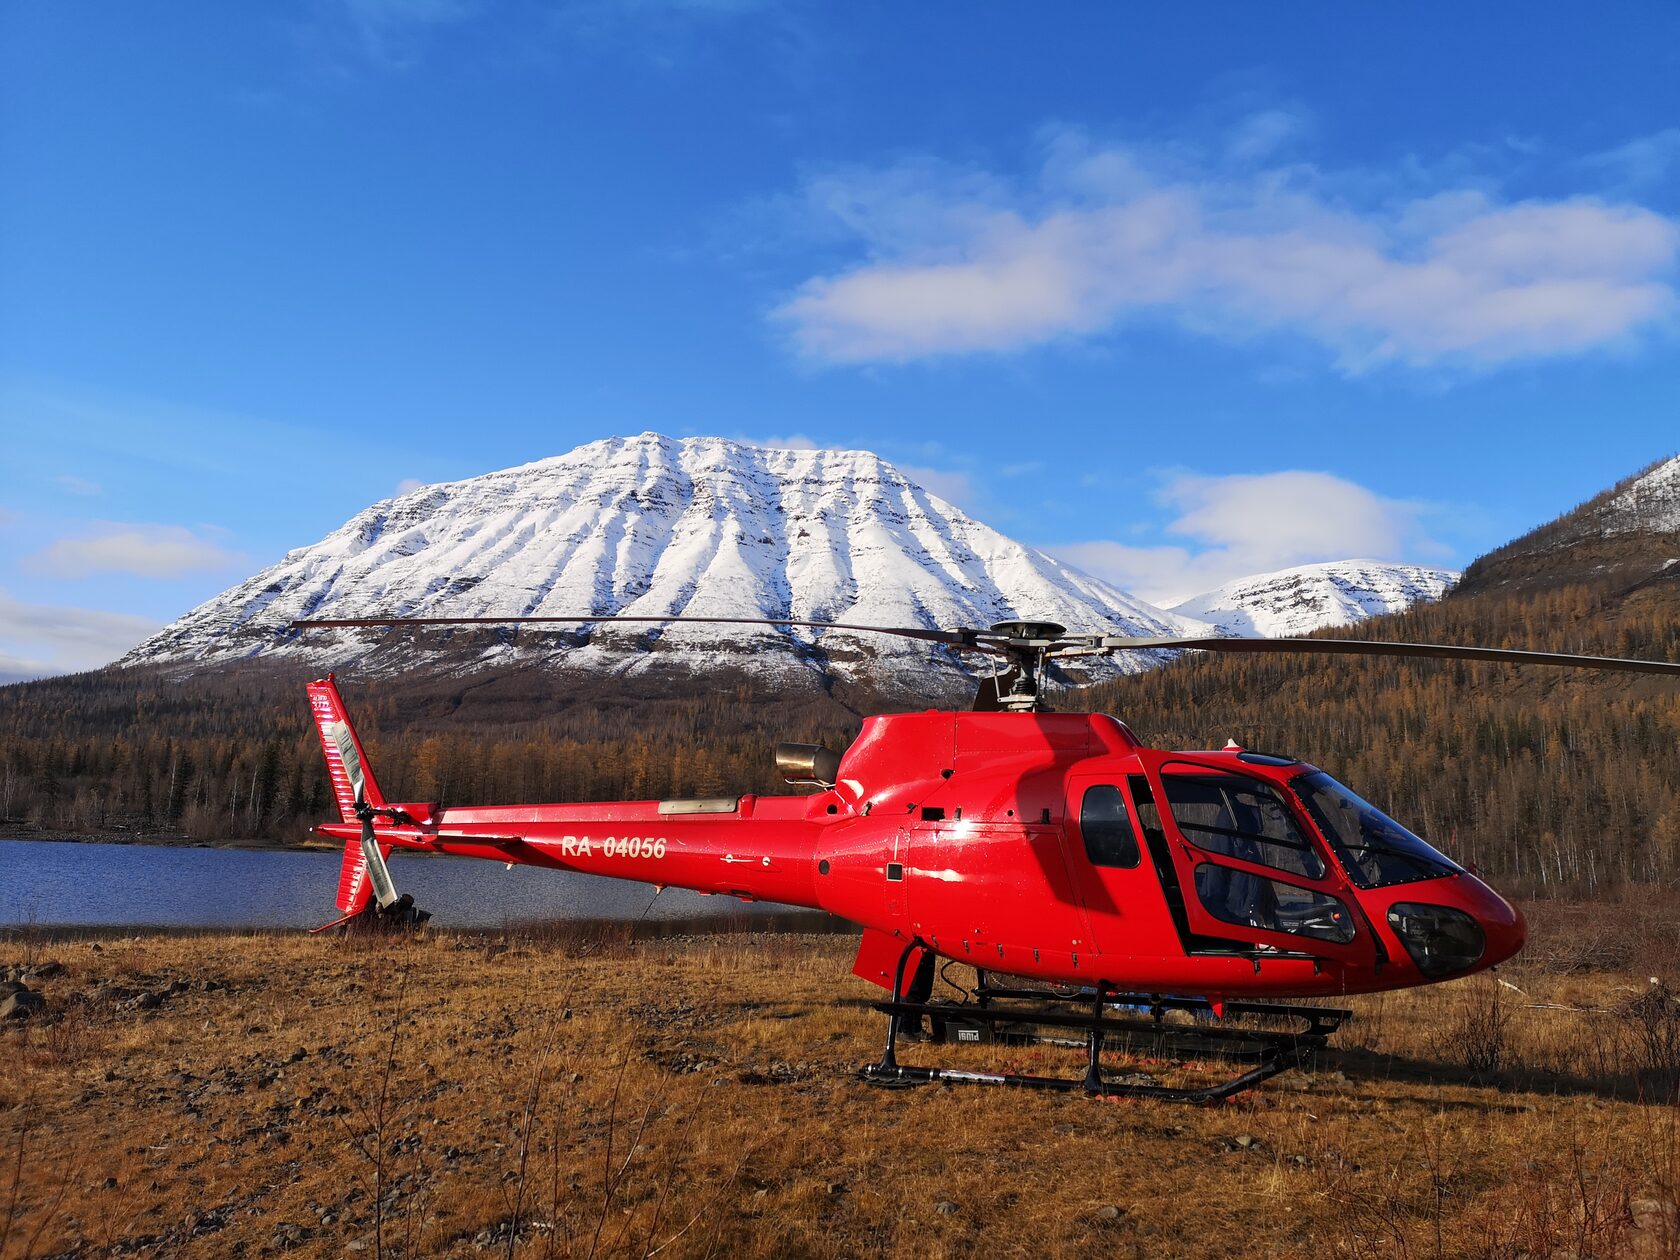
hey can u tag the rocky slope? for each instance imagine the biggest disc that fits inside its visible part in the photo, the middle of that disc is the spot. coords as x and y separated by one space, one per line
1627 535
1315 596
652 526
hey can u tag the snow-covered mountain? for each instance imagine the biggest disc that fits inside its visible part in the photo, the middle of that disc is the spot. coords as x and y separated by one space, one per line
653 526
1650 503
1314 596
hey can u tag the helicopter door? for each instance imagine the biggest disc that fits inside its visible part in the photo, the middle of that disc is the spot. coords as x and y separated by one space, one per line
1248 870
1115 878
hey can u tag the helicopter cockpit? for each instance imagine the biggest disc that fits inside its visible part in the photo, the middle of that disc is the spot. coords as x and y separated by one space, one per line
1249 825
1236 816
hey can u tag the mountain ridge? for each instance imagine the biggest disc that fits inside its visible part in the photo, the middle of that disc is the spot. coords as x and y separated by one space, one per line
1629 532
1309 597
653 526
650 526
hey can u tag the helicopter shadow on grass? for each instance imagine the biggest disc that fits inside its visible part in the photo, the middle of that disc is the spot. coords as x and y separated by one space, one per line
1361 1065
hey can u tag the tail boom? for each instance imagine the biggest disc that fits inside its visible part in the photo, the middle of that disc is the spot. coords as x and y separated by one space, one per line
755 848
763 850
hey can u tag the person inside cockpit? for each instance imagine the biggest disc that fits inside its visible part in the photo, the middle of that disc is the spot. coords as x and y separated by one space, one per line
1243 897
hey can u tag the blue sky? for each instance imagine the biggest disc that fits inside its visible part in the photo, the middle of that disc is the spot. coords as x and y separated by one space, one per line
1177 294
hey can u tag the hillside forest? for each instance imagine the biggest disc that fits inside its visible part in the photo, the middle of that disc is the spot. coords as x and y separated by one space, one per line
235 756
1550 781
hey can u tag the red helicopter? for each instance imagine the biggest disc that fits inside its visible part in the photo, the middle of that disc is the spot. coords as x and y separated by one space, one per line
1110 883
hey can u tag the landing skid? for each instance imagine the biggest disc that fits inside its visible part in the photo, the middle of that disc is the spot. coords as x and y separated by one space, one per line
1030 1015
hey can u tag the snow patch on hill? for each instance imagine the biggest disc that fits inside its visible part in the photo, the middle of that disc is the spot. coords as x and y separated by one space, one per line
1313 596
1649 504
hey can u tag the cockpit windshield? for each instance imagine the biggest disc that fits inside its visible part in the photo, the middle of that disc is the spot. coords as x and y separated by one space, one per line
1376 850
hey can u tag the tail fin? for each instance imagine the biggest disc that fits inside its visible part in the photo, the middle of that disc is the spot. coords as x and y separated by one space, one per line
352 780
355 889
352 777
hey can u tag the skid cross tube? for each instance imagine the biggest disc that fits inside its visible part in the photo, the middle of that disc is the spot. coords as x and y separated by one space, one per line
1276 1051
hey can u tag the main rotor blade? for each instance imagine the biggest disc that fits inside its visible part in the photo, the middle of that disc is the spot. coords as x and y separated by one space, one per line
950 638
1376 647
1070 645
345 742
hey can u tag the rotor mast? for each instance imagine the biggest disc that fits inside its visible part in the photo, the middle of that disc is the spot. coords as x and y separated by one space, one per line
1027 646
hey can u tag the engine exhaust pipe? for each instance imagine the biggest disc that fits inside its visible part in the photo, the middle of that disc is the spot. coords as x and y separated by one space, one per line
808 763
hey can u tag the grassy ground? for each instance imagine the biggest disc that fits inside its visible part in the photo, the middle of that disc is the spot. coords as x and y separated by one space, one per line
456 1095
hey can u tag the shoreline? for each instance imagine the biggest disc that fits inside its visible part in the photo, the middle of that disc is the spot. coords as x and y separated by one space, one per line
525 931
162 840
83 887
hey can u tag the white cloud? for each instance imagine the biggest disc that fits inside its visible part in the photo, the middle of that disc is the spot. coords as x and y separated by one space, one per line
1254 523
1261 135
950 485
79 485
1643 162
956 261
38 639
788 442
408 485
148 551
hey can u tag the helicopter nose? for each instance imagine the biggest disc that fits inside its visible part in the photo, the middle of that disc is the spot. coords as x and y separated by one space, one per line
1461 927
1503 923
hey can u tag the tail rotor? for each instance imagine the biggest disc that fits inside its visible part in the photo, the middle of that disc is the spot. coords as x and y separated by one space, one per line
365 883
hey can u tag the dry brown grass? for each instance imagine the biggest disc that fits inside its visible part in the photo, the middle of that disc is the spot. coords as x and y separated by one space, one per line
454 1095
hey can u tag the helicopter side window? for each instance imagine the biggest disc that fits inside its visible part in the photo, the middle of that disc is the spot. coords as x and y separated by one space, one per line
1243 818
1107 828
1250 901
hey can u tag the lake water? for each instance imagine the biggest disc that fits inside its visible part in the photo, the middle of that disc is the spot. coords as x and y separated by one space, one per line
56 884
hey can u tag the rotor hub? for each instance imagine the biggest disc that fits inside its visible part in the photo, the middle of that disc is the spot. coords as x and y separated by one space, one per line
1029 630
